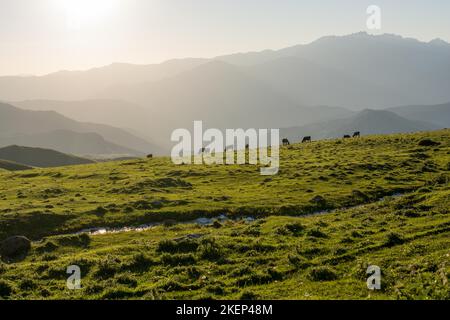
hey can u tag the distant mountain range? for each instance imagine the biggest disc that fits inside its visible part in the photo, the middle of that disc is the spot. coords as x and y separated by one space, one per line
366 122
315 88
437 114
22 158
357 71
80 85
51 130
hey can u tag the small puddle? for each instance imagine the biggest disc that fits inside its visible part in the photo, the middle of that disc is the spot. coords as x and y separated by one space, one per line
144 227
221 218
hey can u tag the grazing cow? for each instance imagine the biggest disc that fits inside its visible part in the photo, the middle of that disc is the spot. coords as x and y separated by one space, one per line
347 136
306 139
149 156
285 142
356 134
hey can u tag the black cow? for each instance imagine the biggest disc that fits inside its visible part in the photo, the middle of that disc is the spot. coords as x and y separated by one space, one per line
285 142
149 156
347 136
306 139
356 134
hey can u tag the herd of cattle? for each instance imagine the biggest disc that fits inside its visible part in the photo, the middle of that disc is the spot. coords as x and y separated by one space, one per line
286 142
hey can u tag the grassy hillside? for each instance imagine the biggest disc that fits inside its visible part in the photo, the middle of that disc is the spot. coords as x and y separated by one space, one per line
335 207
13 166
40 157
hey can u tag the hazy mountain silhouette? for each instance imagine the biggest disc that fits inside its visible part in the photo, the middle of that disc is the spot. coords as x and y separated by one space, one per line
283 88
79 85
132 117
83 144
309 83
223 96
437 114
366 121
408 70
13 166
356 71
16 123
38 157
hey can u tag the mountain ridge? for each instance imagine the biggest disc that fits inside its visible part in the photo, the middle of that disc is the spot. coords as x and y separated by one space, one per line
40 157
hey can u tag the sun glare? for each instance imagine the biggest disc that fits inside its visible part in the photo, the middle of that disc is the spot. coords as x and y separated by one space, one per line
82 12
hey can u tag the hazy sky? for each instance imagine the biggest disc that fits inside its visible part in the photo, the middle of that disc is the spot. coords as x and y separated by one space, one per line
42 36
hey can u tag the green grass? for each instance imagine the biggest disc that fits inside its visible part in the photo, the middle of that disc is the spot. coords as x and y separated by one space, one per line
284 254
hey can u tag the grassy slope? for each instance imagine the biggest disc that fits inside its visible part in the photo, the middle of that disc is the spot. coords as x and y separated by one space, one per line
283 255
13 166
39 157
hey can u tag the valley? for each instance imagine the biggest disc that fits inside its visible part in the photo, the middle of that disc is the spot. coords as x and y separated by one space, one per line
371 208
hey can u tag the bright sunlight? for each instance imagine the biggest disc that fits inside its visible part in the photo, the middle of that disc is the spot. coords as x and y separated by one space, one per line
82 12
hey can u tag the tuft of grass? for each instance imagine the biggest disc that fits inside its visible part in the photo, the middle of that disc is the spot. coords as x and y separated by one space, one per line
322 273
6 289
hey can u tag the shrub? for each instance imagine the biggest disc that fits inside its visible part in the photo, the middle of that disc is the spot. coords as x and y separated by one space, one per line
298 262
295 229
359 271
5 289
77 240
210 250
356 234
275 274
252 230
140 262
428 143
177 259
48 246
254 279
248 295
193 272
118 294
169 223
127 280
394 239
359 195
49 257
439 180
216 289
100 211
176 285
312 252
180 246
27 284
322 273
56 272
319 200
107 267
316 233
216 224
